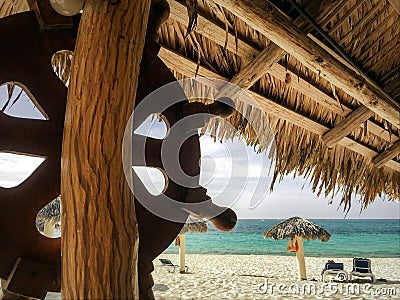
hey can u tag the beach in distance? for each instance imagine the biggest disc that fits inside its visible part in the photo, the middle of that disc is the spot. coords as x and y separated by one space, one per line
269 277
241 264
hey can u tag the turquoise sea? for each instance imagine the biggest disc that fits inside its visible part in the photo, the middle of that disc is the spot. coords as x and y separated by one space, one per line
350 238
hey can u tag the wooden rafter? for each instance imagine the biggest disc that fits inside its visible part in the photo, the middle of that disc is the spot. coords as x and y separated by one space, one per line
268 20
188 67
351 122
253 71
260 66
248 53
387 155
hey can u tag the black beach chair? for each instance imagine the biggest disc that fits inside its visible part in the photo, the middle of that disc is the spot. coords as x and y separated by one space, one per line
167 263
334 269
362 268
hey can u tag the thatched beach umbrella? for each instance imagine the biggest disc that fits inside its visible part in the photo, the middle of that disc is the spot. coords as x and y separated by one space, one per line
297 229
48 217
191 225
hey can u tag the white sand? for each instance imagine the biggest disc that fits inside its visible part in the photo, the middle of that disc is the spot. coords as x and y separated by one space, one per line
252 276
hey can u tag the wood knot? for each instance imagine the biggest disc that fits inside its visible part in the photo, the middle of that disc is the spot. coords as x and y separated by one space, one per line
359 86
374 102
268 8
288 78
319 60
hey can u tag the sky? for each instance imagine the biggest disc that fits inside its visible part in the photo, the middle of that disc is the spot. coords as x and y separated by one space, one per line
233 174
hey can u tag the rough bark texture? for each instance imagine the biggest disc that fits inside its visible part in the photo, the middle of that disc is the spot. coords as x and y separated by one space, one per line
99 227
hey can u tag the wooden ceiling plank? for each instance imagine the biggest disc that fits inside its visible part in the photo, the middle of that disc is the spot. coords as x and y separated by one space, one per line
268 20
188 68
349 124
387 155
215 33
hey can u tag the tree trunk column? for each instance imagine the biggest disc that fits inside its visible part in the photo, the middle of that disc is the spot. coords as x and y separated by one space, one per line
99 227
301 264
182 245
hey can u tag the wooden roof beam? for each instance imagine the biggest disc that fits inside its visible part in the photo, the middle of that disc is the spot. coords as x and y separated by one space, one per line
268 20
47 17
386 156
350 123
217 34
253 71
257 68
188 68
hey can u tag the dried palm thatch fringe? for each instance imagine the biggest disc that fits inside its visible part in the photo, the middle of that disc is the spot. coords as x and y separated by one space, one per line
194 225
10 93
11 7
297 226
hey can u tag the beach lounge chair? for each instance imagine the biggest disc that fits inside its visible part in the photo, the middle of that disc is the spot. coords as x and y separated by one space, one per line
362 268
168 264
334 269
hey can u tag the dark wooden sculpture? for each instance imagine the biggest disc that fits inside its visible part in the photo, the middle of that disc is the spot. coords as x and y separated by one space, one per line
30 261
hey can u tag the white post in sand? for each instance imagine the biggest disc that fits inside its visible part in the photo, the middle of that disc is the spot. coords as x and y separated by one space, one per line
182 253
301 264
48 229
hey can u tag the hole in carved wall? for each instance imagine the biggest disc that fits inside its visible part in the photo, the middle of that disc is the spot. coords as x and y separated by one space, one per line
61 62
16 168
48 219
155 126
16 101
153 179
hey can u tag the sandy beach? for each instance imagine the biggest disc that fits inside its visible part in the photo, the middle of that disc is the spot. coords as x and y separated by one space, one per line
264 276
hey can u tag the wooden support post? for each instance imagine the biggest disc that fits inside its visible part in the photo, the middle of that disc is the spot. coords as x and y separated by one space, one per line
268 20
99 227
301 263
387 155
350 123
182 246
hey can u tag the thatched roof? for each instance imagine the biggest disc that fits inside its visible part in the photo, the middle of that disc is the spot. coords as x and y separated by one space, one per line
325 129
194 225
297 226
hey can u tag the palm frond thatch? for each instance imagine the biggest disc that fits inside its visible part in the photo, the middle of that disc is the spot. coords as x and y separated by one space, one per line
297 226
194 225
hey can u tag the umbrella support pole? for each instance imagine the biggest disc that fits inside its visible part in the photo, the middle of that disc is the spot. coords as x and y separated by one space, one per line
48 229
301 264
182 253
